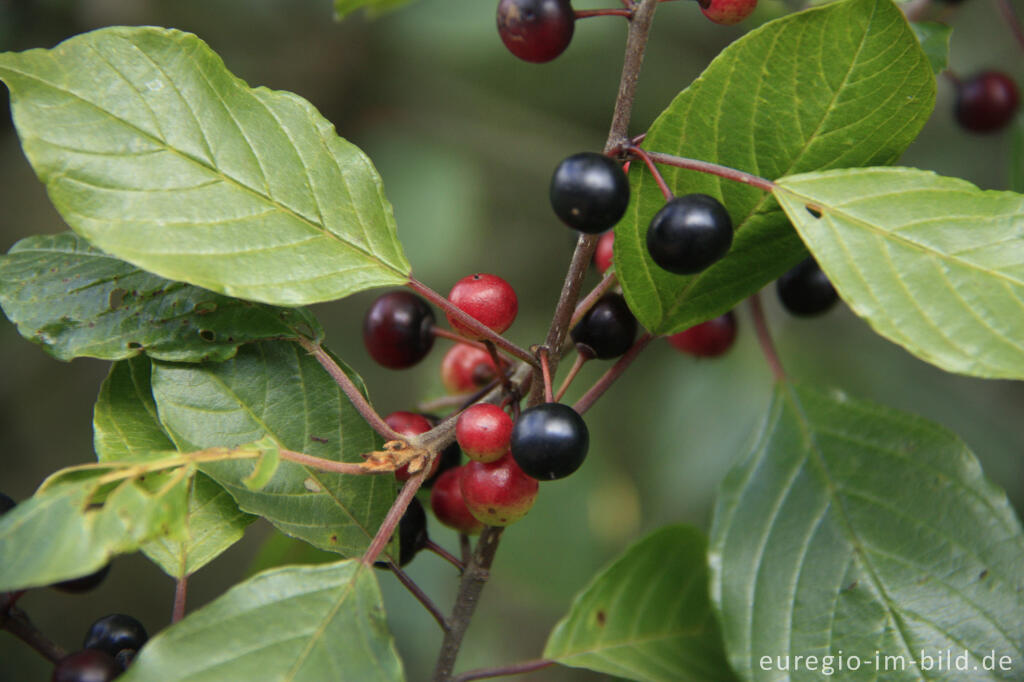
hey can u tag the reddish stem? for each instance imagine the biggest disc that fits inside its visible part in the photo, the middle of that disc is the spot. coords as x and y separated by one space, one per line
613 373
764 339
545 370
584 13
18 624
326 464
645 157
394 515
420 595
180 597
1012 20
444 554
485 673
705 167
581 359
456 337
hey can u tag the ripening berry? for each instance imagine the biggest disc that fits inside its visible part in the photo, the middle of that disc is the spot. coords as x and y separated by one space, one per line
398 329
986 102
689 233
707 339
728 12
550 441
536 30
497 493
449 506
467 368
488 299
589 192
86 666
603 254
483 431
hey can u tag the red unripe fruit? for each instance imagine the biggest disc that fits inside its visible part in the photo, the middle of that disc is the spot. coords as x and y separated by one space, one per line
536 30
986 102
448 505
410 424
487 298
728 12
483 432
497 493
467 368
707 339
603 254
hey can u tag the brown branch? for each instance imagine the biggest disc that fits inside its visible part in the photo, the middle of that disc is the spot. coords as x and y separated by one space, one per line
394 515
486 673
16 622
420 595
706 167
180 597
613 373
764 339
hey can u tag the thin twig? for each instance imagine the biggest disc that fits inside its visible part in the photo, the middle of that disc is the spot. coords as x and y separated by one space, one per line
456 337
581 359
1012 20
584 13
444 554
708 167
764 339
330 465
545 371
16 622
606 283
394 515
420 595
486 673
649 162
469 321
613 373
492 350
180 598
347 386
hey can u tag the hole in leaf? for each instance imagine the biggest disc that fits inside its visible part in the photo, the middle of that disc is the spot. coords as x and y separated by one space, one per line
116 298
134 345
207 335
813 211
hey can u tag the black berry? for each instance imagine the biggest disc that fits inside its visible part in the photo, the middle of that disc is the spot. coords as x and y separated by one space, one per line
608 329
536 30
986 102
589 192
398 329
83 584
125 657
549 441
689 233
6 504
114 633
412 534
86 666
805 290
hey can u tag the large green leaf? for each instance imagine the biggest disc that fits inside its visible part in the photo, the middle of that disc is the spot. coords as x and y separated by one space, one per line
647 616
836 86
76 301
854 528
125 425
154 152
278 390
295 624
932 263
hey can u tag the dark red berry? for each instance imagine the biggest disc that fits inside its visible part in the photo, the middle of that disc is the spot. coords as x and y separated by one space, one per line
550 441
410 424
689 234
483 431
115 632
805 290
728 12
608 329
604 253
398 329
536 30
589 192
84 583
467 368
86 666
707 339
449 506
488 299
986 102
497 493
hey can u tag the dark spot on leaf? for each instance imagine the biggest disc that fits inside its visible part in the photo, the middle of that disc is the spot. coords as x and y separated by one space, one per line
207 335
492 510
134 345
602 618
983 574
813 211
850 586
205 308
318 439
116 298
334 538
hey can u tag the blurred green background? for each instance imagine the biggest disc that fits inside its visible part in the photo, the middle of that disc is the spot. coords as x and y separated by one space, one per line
465 137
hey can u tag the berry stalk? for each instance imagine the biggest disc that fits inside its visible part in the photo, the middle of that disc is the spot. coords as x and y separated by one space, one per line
703 167
764 338
614 372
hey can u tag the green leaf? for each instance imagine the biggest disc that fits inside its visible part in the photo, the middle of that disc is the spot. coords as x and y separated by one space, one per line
280 550
374 8
1017 155
301 623
836 86
852 527
647 616
126 426
154 152
932 263
278 390
934 38
76 301
73 528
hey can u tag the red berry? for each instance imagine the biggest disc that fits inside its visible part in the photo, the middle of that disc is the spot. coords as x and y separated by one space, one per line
89 665
483 431
410 424
986 102
536 30
398 329
497 493
448 505
707 339
467 368
487 298
603 254
728 12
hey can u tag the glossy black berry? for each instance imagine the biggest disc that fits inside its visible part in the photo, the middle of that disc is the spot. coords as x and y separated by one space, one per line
689 233
398 329
536 30
125 657
589 192
608 329
6 504
86 666
986 102
805 290
83 584
549 441
115 633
